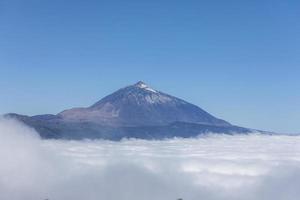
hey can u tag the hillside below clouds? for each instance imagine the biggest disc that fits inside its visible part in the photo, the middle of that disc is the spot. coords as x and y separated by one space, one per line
135 111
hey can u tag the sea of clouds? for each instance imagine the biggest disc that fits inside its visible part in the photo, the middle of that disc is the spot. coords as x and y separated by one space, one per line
214 167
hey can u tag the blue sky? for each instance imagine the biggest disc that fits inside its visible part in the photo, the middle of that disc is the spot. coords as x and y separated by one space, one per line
237 59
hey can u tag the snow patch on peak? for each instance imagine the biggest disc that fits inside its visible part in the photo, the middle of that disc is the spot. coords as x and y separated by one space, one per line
144 86
150 89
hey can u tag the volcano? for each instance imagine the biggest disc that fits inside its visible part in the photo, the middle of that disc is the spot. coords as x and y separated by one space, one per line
135 111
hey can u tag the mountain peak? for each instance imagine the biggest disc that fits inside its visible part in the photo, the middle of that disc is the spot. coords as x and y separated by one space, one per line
143 85
140 105
140 83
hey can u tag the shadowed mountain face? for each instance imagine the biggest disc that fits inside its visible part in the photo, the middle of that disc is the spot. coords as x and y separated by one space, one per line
135 111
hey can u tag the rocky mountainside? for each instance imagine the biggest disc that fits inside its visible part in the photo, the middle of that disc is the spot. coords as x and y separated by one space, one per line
134 111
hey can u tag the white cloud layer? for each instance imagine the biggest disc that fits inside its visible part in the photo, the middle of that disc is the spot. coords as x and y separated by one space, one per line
215 167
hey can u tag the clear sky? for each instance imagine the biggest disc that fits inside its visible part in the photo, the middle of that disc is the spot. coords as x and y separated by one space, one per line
237 59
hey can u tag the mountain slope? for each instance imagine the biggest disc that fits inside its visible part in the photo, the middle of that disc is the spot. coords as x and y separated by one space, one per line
140 105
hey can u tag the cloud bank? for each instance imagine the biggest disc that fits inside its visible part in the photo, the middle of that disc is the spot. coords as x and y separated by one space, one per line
213 167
